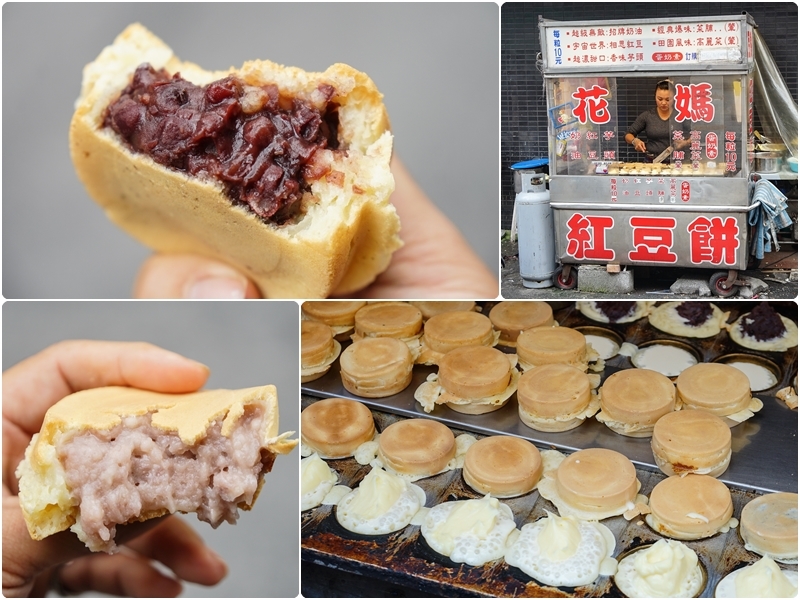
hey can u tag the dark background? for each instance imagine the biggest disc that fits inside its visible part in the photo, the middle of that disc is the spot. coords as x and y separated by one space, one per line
523 102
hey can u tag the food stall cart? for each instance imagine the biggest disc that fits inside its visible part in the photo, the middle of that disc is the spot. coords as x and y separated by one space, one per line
688 212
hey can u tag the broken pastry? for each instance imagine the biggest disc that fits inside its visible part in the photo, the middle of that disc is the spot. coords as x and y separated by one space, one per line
115 455
280 172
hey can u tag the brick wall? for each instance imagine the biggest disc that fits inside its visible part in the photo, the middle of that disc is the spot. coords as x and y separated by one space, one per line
523 104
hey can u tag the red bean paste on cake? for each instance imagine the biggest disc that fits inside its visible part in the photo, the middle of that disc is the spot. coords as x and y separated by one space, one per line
763 323
261 151
695 313
616 310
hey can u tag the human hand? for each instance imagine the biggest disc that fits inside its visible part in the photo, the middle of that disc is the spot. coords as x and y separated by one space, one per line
435 262
639 145
31 567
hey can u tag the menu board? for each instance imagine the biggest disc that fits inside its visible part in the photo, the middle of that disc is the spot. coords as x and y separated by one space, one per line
670 44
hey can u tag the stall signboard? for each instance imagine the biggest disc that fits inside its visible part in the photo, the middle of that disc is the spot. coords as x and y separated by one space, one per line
644 237
673 44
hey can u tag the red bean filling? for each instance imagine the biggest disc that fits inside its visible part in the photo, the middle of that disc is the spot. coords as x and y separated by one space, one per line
261 157
615 310
763 323
695 313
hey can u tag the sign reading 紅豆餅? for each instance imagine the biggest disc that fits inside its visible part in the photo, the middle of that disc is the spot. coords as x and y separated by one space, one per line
677 43
635 237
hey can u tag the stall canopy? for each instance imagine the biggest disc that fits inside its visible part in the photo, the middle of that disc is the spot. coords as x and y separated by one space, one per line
775 105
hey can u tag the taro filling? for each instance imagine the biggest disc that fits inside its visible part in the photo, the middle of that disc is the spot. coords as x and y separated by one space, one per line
695 313
763 323
135 471
615 310
258 144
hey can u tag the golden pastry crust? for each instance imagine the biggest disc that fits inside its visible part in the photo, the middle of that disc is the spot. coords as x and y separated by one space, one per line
318 350
502 466
334 313
555 397
691 441
44 497
769 526
376 367
388 319
597 479
690 507
718 388
475 372
550 345
511 318
447 331
417 446
431 308
347 230
335 427
633 400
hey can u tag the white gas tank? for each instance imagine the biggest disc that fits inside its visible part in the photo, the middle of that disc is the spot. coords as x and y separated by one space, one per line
537 261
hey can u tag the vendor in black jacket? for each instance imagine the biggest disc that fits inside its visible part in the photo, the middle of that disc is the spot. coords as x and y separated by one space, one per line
657 124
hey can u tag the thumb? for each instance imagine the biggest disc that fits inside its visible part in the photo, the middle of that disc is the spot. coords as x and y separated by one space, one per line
191 276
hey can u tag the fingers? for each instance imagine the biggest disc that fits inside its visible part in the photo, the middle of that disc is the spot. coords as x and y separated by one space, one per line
175 544
436 261
117 574
24 558
35 384
189 276
169 541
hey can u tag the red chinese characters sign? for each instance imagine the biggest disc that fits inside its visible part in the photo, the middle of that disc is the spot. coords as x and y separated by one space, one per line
693 102
586 238
592 105
652 238
712 240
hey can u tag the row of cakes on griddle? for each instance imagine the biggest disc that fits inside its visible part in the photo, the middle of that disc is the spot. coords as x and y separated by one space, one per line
701 426
554 392
568 549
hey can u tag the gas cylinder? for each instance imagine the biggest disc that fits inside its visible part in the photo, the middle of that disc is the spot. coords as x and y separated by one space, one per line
537 261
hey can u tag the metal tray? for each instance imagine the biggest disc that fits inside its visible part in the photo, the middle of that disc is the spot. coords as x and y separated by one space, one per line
764 447
404 564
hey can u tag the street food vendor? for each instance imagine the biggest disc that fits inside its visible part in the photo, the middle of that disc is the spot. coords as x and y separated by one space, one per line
657 124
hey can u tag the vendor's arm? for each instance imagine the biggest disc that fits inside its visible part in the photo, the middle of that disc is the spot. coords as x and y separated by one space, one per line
631 137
